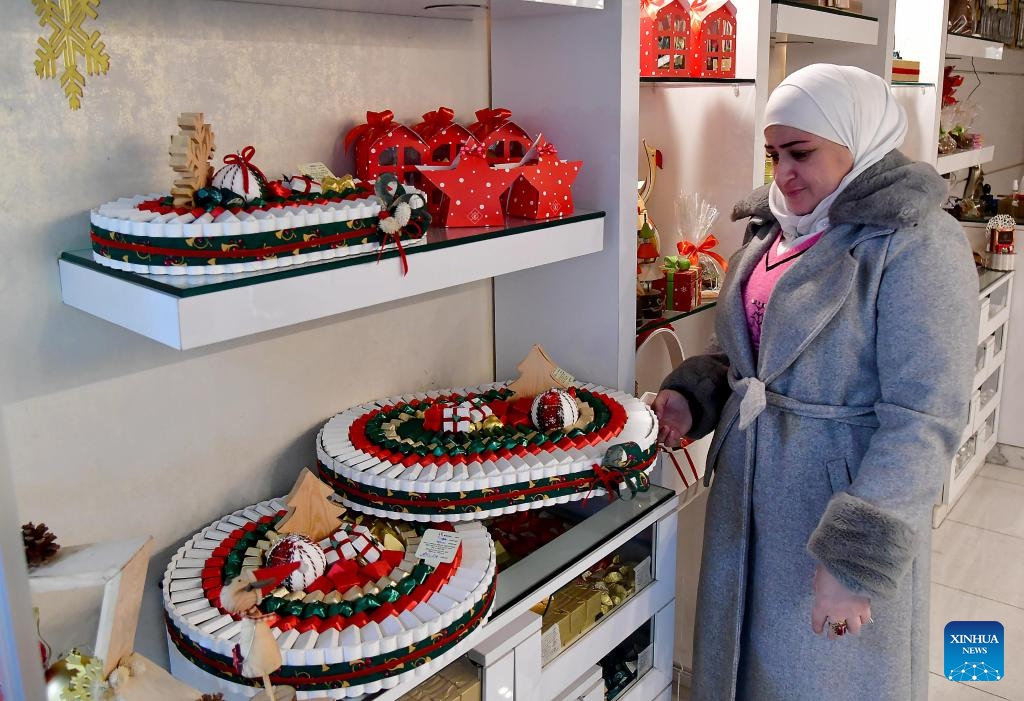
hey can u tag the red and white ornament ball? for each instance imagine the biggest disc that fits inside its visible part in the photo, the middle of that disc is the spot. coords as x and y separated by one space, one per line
554 409
298 548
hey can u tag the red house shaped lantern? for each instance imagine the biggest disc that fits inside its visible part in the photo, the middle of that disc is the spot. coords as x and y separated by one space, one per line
713 39
444 138
382 145
683 39
665 49
504 140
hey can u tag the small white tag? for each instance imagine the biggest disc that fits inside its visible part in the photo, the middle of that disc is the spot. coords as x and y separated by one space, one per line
642 573
645 660
550 644
562 377
317 171
438 546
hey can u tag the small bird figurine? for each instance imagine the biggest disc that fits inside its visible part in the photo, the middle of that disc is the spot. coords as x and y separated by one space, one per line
257 655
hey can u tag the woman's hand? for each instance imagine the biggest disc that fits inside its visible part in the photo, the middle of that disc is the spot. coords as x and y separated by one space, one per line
674 419
836 603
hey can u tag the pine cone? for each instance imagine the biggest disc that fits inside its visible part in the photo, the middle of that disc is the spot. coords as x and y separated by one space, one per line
212 697
40 543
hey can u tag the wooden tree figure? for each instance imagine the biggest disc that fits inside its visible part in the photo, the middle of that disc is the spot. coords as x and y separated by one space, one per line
538 373
190 151
310 512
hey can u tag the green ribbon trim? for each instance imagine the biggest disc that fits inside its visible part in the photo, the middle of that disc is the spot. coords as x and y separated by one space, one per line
304 237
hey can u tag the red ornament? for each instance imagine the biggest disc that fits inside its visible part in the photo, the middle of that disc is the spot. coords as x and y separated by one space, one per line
542 189
276 188
554 410
469 192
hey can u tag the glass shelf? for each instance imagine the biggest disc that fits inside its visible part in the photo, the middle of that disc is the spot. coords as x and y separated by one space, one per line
671 80
187 312
671 317
829 10
599 521
437 238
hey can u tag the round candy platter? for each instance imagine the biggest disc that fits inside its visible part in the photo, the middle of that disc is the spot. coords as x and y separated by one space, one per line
378 614
389 459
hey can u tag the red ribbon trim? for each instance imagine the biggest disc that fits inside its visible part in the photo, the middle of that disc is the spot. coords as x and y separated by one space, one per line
679 470
397 239
234 253
598 480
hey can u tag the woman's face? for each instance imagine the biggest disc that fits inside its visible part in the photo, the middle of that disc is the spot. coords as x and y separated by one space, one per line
808 168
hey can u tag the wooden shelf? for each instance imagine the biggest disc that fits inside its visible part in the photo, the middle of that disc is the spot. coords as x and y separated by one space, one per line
959 45
792 19
958 160
468 10
191 311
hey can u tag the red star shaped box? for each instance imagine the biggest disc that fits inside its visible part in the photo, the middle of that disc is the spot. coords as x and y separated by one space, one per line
469 192
543 187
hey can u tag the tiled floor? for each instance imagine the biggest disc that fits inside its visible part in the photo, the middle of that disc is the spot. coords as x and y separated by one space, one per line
978 574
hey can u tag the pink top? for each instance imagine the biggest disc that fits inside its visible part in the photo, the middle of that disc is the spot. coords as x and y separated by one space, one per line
759 286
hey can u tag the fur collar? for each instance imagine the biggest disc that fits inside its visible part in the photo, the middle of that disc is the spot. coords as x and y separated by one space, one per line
893 193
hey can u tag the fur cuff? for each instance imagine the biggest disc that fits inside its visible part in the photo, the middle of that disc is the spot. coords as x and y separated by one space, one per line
866 548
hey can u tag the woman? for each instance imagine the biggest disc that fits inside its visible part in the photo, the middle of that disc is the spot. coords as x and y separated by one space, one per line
837 406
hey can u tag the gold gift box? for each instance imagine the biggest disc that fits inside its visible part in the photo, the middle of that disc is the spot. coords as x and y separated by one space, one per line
574 609
459 681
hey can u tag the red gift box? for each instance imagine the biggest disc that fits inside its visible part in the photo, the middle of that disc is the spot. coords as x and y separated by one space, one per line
468 193
382 145
504 140
681 288
543 186
679 38
443 136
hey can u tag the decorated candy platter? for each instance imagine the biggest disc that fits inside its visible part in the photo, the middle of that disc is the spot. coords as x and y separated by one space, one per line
360 611
457 455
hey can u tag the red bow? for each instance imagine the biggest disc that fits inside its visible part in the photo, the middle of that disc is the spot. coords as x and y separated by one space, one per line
608 479
491 119
687 249
375 121
243 159
473 150
435 121
547 149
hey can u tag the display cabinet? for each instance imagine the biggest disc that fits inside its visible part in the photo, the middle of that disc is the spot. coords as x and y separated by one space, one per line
981 431
518 659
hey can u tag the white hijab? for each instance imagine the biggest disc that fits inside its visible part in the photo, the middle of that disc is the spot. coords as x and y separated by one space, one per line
843 104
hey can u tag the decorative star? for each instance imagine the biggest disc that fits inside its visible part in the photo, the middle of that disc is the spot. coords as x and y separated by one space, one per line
543 189
468 193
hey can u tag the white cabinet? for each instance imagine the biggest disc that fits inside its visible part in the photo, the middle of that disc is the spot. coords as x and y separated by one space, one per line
981 432
509 651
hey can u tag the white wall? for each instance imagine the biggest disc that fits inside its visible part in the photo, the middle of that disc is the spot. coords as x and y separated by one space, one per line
110 435
1001 102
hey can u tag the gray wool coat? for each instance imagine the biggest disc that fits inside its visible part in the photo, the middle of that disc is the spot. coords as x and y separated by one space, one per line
830 446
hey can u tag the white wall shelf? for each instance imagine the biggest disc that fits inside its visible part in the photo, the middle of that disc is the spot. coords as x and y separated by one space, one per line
797 21
188 312
959 45
958 160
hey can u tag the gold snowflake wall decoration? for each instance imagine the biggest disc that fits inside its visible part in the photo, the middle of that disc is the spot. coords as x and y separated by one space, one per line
67 42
